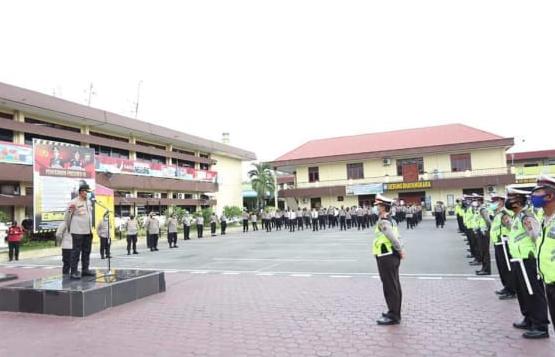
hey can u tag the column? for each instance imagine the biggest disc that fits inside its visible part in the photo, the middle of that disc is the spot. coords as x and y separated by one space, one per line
85 130
132 154
18 136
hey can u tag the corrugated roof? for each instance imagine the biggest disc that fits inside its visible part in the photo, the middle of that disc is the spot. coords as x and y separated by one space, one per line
32 101
441 135
531 155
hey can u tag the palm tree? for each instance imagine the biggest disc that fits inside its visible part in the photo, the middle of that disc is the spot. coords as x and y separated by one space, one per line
262 180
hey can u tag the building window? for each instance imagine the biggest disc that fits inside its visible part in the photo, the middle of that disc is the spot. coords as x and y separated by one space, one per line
355 171
29 139
340 198
535 164
108 151
151 158
52 125
183 163
313 174
417 160
204 167
206 156
6 115
106 136
460 162
6 135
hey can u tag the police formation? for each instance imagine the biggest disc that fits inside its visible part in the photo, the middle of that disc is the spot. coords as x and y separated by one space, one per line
521 228
359 218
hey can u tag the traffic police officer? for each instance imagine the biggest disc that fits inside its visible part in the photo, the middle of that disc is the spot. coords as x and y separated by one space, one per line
543 196
388 252
499 235
525 230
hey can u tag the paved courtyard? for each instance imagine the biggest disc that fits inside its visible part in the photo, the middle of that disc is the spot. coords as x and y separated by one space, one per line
285 294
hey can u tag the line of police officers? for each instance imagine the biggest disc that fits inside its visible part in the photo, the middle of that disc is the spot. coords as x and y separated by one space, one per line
521 227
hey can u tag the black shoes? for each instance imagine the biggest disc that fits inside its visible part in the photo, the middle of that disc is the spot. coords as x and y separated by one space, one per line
175 246
75 276
135 252
503 291
536 334
387 321
523 325
474 263
128 253
482 272
507 296
469 256
88 273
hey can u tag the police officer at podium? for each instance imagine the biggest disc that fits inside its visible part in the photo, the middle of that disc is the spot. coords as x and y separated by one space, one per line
388 252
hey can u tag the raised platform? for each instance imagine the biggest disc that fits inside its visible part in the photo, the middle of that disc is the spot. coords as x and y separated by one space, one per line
59 295
6 277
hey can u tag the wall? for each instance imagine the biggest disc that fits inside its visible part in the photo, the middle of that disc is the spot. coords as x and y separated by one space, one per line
230 191
488 159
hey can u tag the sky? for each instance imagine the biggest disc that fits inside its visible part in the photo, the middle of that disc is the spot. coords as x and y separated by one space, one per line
275 74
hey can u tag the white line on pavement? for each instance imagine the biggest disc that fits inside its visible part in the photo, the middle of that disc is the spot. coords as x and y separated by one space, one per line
429 277
285 260
340 276
486 279
230 273
301 275
265 274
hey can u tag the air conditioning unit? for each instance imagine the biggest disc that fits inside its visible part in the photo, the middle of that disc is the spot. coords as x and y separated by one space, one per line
129 195
386 162
157 195
305 200
181 196
491 189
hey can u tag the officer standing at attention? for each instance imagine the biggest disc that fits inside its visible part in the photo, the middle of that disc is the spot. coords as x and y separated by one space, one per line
314 215
342 219
499 235
200 225
186 226
388 252
484 226
543 196
245 221
525 230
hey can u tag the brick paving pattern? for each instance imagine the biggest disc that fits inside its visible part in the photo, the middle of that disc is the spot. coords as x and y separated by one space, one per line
249 315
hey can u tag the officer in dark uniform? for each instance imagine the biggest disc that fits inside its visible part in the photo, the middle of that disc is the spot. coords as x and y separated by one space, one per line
388 252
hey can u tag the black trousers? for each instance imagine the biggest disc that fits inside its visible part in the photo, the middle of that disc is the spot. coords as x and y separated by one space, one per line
314 224
245 225
342 223
292 224
473 244
331 221
213 228
484 251
66 260
131 241
82 244
550 292
388 268
359 223
349 221
300 223
533 307
504 273
104 247
152 241
172 239
200 228
366 221
13 250
460 223
307 221
439 219
223 226
322 222
186 232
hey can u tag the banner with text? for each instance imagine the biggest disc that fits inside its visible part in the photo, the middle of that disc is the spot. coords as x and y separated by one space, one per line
58 170
15 154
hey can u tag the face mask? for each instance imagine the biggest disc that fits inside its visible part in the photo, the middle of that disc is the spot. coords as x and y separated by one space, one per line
509 205
539 201
493 206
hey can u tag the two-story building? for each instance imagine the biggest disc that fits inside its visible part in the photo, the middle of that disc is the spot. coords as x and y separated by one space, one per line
528 165
212 170
439 163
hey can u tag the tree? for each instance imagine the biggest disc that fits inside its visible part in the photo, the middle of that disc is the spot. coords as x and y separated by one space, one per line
262 181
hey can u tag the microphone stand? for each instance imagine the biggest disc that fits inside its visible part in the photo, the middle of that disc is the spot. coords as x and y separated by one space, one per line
107 211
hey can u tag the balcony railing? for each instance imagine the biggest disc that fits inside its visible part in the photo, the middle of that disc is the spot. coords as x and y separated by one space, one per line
534 171
426 176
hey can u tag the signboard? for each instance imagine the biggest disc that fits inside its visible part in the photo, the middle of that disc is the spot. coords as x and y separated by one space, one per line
142 168
407 185
15 154
364 189
526 180
58 170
